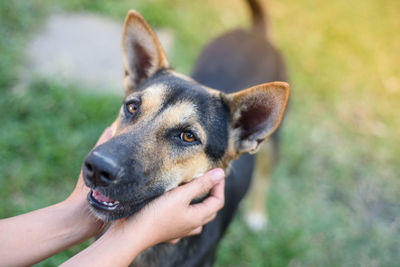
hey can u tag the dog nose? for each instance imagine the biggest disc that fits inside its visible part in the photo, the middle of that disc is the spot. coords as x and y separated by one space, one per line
99 169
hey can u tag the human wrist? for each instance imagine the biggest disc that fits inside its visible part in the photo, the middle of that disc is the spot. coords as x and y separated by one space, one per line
141 226
78 215
132 232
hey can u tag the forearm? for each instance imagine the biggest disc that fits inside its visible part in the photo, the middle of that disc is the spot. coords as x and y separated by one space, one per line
32 237
117 247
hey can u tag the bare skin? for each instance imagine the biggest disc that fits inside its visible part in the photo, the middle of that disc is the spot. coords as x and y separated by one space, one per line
32 237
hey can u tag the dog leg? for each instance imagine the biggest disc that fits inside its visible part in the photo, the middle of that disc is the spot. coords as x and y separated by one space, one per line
256 216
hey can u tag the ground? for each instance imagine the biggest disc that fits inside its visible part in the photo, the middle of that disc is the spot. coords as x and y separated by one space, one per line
334 195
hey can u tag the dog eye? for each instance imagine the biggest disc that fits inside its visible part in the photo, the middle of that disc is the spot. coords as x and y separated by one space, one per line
188 137
131 107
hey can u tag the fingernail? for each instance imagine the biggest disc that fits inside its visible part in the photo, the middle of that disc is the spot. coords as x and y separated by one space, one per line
216 175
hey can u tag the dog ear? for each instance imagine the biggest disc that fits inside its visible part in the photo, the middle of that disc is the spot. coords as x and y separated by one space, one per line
142 53
256 113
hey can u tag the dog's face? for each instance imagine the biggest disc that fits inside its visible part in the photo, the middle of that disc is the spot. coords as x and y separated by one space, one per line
171 129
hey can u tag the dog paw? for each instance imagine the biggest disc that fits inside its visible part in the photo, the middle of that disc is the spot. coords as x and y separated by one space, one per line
256 222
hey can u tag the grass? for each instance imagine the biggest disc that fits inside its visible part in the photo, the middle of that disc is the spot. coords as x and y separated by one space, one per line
16 21
334 194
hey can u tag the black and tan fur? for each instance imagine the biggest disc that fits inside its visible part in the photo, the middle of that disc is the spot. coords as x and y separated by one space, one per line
241 59
150 153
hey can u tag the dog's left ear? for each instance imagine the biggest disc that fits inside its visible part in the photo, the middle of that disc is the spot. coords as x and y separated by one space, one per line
256 113
142 53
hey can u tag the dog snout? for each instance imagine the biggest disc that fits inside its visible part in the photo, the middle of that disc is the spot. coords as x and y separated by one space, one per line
100 169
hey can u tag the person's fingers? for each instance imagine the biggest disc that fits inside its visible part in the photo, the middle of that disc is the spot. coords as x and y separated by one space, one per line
80 183
213 203
210 218
174 241
196 231
106 135
215 200
202 184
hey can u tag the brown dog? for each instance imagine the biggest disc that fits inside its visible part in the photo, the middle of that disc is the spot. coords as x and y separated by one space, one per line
171 129
240 59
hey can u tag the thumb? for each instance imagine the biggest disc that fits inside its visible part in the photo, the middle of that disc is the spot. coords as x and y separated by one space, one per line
203 184
105 136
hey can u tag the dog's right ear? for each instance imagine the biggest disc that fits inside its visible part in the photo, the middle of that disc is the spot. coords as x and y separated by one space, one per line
256 113
142 53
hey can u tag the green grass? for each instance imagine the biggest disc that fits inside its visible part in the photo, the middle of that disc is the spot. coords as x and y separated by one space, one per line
17 19
334 197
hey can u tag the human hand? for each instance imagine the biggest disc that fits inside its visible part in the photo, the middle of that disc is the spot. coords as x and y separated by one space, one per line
77 200
166 218
81 190
34 236
171 216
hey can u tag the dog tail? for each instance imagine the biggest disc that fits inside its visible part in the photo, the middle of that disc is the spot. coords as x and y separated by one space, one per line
259 17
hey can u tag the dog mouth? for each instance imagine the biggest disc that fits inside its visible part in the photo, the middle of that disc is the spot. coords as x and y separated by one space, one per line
108 209
102 202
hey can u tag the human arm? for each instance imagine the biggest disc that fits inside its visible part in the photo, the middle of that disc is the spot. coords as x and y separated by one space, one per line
166 218
29 238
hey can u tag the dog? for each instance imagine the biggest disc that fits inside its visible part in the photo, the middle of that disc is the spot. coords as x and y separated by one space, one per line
172 128
252 60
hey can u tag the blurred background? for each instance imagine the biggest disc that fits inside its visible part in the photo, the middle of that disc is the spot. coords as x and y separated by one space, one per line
334 197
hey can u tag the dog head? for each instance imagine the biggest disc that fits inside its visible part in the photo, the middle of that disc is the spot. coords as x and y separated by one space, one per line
171 129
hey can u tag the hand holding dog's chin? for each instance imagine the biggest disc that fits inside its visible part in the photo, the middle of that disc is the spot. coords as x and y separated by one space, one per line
171 216
167 218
